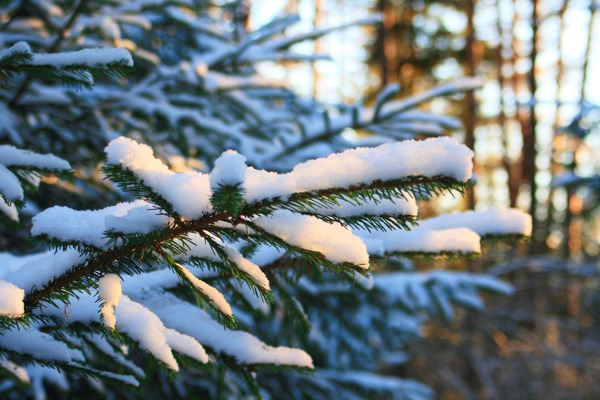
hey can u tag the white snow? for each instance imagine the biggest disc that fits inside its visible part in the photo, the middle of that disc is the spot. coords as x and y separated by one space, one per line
422 290
407 104
9 210
11 156
255 301
135 156
188 192
229 170
412 389
11 263
387 94
497 220
456 232
266 184
19 372
421 240
335 242
89 226
185 345
11 300
19 47
109 289
138 323
160 279
151 280
429 158
10 187
140 218
82 309
96 57
41 373
199 248
101 343
145 327
265 255
214 296
128 379
366 282
245 348
38 345
44 268
253 270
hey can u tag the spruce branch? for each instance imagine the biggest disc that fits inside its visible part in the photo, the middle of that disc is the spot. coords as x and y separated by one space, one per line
379 116
228 198
72 367
76 76
432 256
293 306
105 259
129 182
202 298
370 223
60 35
230 269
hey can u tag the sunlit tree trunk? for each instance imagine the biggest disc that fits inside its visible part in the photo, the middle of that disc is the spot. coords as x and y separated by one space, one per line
470 115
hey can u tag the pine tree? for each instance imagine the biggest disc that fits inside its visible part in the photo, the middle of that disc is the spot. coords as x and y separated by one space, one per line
277 274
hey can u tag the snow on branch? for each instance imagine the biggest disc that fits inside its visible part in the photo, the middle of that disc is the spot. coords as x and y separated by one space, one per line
87 57
335 242
379 384
497 220
69 68
212 295
18 372
189 193
109 290
389 118
237 238
89 227
98 58
39 345
242 346
438 289
140 324
456 233
12 157
20 171
39 270
305 214
459 85
11 301
10 187
419 240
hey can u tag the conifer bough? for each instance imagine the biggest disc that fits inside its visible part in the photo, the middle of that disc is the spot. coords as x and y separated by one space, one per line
181 224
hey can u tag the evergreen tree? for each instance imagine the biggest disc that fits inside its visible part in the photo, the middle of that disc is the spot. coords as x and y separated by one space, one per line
229 275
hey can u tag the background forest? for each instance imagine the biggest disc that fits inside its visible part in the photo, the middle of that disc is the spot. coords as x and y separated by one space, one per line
535 128
286 81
